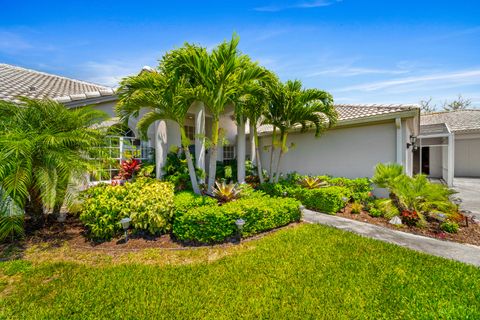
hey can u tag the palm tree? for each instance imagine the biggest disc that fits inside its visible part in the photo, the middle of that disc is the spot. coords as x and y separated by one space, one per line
291 106
42 145
166 97
219 78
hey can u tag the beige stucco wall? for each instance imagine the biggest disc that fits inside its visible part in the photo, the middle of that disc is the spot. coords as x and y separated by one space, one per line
348 152
467 155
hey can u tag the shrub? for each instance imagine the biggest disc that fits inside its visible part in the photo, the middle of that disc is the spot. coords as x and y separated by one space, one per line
148 202
449 226
274 189
360 188
410 218
328 200
213 224
186 200
356 207
386 174
374 212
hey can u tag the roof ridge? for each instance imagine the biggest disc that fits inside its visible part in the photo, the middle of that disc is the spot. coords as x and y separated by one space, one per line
377 105
452 111
56 76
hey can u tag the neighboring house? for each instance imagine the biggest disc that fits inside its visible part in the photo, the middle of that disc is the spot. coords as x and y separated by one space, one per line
454 132
364 135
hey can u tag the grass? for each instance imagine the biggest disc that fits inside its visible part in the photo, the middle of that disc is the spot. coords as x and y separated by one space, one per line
305 272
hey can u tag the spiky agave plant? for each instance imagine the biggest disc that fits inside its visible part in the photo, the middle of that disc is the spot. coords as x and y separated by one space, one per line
312 182
226 192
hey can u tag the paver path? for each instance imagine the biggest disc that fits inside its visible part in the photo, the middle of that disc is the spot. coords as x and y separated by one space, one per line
451 250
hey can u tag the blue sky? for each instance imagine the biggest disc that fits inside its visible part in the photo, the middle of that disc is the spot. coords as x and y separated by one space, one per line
361 51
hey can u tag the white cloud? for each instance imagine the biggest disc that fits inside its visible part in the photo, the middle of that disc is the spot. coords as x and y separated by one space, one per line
436 80
298 5
346 71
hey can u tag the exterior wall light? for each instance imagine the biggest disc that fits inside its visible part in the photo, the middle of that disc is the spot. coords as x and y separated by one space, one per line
412 143
239 223
125 225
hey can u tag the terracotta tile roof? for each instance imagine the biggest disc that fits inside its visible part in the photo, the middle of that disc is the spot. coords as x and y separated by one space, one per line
458 121
347 112
16 81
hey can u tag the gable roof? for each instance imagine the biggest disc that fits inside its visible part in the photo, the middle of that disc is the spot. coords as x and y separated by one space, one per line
16 81
461 121
361 113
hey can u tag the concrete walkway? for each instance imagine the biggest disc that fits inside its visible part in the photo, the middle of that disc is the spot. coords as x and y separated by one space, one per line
451 250
469 191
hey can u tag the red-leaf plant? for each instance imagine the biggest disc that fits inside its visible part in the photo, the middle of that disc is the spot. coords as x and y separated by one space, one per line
128 168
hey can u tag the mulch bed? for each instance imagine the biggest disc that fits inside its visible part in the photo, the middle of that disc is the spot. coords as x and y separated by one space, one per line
73 233
470 234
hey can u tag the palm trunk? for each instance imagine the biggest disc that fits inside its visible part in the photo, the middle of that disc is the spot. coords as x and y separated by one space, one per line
241 146
61 192
283 150
272 151
257 151
212 167
188 156
34 209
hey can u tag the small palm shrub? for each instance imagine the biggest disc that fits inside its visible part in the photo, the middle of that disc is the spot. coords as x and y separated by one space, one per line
312 182
148 202
214 224
387 174
225 192
387 207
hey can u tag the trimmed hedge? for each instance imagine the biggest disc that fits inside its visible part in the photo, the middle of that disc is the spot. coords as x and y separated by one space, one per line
186 200
214 224
148 202
328 200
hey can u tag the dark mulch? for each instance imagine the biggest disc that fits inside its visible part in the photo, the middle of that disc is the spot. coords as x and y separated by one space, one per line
466 234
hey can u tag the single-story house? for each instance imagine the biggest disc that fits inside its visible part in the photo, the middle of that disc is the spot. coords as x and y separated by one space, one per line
364 136
449 141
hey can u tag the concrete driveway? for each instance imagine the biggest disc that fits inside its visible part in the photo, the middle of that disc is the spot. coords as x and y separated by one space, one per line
469 191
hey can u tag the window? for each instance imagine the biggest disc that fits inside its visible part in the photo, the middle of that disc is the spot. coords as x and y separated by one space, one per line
190 132
228 152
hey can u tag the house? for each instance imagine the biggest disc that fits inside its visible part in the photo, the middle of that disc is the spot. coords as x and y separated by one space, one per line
364 135
449 145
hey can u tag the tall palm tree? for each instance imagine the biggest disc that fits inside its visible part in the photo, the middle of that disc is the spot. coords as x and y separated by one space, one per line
166 96
291 106
43 143
219 78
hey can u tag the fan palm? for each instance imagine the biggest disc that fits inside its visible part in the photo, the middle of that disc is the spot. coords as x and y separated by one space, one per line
43 145
292 106
219 78
166 97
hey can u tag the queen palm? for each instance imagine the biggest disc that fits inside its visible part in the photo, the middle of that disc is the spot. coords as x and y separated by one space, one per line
291 106
43 146
219 78
165 96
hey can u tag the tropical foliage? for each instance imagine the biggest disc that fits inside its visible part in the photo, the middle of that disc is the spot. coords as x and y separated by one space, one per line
226 192
43 148
11 218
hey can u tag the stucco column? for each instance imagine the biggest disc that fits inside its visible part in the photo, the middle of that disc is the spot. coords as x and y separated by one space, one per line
161 147
399 147
253 154
451 159
200 136
241 151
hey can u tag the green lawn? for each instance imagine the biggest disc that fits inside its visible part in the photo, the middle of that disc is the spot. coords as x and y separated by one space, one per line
305 272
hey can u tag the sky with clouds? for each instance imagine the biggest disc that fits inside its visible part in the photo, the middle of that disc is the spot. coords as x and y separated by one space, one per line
362 51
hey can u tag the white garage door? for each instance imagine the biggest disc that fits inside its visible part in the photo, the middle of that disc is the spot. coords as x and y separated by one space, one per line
467 158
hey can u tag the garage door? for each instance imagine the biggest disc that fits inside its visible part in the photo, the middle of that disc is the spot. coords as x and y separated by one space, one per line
467 158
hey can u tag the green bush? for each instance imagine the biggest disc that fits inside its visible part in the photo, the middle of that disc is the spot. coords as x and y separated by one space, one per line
328 200
387 207
360 188
148 202
186 200
213 224
374 212
449 226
